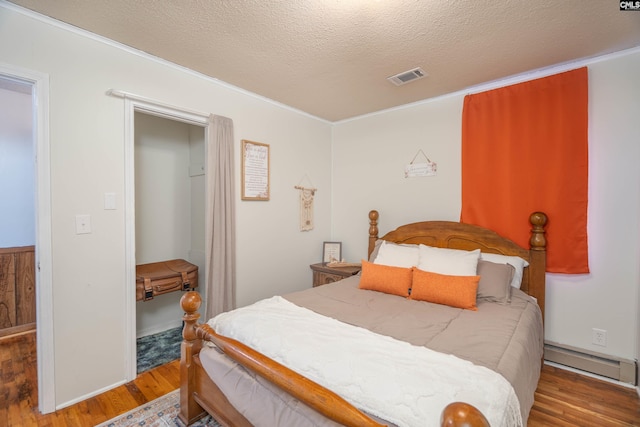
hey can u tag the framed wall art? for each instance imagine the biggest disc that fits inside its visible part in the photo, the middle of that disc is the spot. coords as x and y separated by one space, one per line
255 170
331 252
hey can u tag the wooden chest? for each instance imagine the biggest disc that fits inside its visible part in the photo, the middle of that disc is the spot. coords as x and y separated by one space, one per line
163 277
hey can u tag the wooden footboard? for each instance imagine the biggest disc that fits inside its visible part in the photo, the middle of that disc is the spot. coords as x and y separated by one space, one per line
198 393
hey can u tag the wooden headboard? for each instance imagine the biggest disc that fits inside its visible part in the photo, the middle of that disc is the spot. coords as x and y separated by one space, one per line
456 235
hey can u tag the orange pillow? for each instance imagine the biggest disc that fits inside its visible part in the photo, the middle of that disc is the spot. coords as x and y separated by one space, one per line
454 291
384 278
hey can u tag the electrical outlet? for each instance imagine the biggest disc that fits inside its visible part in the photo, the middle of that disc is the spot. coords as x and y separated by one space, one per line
599 337
83 224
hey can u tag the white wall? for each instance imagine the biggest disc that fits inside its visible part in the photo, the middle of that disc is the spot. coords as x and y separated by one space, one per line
369 157
369 154
17 170
608 297
163 189
87 160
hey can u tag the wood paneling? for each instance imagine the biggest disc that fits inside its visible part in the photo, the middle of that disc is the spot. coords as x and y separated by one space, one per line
25 287
563 398
7 290
17 289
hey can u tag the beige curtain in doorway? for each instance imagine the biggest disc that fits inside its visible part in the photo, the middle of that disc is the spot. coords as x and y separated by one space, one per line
220 221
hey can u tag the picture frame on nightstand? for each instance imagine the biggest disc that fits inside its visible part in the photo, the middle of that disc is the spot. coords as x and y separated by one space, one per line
331 251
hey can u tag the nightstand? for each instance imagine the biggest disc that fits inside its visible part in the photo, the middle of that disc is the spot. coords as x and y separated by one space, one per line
323 274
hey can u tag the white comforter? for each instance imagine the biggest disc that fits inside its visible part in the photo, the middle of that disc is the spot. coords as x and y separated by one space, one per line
394 380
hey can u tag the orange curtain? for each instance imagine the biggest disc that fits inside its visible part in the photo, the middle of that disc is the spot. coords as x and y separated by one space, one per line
525 149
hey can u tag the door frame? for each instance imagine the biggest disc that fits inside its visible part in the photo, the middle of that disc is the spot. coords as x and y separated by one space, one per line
43 253
137 104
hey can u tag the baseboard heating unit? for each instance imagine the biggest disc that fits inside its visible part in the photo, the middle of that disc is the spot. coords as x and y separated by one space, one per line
619 369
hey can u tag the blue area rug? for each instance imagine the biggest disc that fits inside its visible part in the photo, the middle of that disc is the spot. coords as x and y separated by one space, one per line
158 349
162 412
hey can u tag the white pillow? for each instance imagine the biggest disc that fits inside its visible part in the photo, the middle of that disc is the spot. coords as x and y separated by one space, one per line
518 263
454 262
395 255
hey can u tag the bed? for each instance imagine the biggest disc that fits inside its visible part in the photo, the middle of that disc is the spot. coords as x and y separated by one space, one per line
498 333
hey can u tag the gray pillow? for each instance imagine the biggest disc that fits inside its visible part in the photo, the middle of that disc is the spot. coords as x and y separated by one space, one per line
376 248
495 281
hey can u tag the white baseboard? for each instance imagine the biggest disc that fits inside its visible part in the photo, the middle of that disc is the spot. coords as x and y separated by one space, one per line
89 395
618 369
589 374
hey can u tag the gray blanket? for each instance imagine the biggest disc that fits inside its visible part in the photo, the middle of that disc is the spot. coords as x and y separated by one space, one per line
505 338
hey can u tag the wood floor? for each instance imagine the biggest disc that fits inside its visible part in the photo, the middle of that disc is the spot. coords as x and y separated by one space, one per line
563 398
19 397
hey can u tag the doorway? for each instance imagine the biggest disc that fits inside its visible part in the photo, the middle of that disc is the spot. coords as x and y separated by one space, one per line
138 108
170 222
29 145
18 224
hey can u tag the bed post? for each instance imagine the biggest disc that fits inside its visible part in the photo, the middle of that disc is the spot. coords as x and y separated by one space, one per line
190 411
538 244
373 231
462 414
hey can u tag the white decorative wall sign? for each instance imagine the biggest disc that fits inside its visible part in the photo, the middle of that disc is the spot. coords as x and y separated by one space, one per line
414 169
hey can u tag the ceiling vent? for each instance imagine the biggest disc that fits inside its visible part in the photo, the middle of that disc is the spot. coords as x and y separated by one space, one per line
407 76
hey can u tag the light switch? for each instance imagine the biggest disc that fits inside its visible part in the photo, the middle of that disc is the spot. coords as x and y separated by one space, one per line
83 224
109 201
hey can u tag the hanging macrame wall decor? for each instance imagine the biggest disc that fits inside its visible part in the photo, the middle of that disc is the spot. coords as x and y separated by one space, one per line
306 206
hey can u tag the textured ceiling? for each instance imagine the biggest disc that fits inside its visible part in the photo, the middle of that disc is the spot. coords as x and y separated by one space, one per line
331 58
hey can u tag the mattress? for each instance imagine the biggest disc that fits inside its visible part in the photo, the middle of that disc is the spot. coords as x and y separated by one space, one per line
507 339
